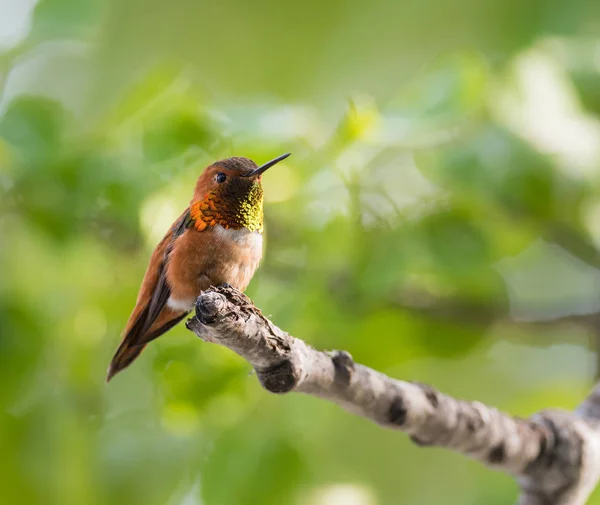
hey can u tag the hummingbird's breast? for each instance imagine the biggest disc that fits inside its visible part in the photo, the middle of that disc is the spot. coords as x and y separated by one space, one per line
211 257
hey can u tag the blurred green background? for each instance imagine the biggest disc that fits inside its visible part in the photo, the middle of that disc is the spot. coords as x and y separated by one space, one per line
439 219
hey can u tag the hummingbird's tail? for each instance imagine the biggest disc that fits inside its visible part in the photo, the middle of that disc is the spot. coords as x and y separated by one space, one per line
136 339
125 355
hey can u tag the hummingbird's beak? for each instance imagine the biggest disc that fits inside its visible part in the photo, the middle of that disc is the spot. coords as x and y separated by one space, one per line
266 166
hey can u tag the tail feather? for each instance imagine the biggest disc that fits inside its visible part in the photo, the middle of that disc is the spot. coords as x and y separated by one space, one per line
125 355
131 347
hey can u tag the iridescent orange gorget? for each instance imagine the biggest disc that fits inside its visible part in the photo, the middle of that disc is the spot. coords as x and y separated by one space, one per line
236 207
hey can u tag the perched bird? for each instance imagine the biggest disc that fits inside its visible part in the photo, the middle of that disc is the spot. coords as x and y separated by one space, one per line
217 240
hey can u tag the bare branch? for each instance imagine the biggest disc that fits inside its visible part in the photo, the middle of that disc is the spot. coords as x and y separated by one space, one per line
554 455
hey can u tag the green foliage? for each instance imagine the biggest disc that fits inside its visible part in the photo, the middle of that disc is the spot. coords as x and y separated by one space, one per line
440 151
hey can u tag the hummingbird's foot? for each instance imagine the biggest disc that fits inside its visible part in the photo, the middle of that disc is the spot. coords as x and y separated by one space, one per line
225 285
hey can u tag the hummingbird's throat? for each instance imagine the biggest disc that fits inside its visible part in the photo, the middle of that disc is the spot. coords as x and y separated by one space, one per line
230 209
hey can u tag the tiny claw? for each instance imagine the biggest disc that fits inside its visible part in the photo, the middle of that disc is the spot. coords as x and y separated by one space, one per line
225 285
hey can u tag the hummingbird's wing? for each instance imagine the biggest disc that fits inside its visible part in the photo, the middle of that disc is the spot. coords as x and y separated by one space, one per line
146 321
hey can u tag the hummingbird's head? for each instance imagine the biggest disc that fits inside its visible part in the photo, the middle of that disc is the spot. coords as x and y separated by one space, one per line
229 193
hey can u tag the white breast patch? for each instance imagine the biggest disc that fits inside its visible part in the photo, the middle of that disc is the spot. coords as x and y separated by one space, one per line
180 305
243 237
250 242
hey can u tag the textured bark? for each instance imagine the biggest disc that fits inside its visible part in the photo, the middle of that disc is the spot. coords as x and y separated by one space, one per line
554 455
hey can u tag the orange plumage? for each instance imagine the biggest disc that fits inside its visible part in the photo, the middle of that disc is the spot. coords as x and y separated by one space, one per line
216 240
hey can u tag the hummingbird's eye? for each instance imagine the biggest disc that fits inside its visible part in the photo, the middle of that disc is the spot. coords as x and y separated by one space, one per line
221 177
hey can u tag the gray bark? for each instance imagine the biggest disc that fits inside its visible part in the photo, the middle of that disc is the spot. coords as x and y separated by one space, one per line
554 455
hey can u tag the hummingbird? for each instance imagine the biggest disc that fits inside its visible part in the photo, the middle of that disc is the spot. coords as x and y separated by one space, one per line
216 240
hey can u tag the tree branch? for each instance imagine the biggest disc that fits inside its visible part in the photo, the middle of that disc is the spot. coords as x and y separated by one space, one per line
554 455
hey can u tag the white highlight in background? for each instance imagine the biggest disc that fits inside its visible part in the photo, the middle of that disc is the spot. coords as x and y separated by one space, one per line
15 21
343 494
